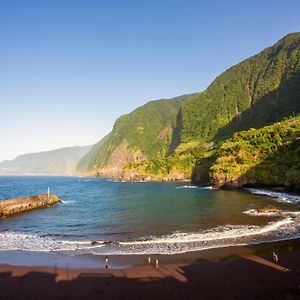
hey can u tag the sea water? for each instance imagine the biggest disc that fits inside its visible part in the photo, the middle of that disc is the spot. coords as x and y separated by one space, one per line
101 216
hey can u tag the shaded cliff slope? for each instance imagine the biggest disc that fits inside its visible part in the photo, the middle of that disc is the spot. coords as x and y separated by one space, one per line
256 92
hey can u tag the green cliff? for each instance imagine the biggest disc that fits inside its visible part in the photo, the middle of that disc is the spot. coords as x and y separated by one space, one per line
256 92
143 134
259 91
181 138
267 156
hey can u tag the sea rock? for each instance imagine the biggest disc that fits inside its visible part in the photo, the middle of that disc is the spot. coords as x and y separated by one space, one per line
268 209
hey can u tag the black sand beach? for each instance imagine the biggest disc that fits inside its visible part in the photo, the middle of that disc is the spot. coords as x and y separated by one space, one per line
245 272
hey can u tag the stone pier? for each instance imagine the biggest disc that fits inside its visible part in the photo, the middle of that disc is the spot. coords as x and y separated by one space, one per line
12 207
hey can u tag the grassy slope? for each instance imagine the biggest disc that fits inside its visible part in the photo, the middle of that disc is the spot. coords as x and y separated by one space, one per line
268 156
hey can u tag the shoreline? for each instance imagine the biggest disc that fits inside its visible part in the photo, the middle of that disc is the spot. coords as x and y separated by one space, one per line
241 272
44 259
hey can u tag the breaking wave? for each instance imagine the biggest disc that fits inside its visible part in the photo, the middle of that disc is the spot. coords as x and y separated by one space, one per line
85 180
276 213
194 187
177 242
67 201
279 196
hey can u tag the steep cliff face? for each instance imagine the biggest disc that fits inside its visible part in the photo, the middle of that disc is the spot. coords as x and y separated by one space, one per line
256 92
88 161
176 139
143 134
259 91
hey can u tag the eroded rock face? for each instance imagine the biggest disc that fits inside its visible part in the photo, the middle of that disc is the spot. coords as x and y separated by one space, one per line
249 181
121 156
132 175
268 209
233 183
165 133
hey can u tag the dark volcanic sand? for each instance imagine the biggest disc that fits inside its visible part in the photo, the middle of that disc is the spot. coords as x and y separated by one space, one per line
211 274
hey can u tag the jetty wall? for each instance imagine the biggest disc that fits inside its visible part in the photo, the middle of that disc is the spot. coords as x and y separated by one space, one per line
12 207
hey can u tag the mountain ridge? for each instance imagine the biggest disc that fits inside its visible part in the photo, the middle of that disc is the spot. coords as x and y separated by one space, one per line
256 92
143 134
62 161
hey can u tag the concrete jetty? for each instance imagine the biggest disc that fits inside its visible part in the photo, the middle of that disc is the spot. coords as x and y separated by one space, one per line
12 207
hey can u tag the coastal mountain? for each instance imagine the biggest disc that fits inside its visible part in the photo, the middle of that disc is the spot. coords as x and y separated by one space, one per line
259 91
268 156
144 134
167 139
56 162
89 160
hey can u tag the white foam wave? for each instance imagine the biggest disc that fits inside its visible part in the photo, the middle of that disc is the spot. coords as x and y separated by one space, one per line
187 187
282 197
194 187
207 188
31 242
84 180
219 233
68 201
176 242
81 242
276 213
257 213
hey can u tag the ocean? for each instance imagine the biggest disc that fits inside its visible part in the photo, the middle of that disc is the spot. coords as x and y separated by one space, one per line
103 217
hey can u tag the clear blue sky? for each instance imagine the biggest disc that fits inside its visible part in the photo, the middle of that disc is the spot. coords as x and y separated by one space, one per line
68 69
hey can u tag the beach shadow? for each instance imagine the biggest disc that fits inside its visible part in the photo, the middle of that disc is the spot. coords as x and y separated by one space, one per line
212 279
220 273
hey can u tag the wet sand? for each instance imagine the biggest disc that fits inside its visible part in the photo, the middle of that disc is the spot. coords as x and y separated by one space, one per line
246 272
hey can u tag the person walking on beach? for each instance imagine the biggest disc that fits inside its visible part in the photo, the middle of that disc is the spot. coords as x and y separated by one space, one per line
156 263
106 262
275 257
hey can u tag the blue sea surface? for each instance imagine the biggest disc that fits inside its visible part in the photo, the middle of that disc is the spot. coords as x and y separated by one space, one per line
100 216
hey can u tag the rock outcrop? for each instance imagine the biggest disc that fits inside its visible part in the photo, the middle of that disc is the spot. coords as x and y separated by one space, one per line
133 176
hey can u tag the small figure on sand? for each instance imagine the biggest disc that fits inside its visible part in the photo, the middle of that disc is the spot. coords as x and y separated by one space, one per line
106 262
149 260
156 263
275 257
